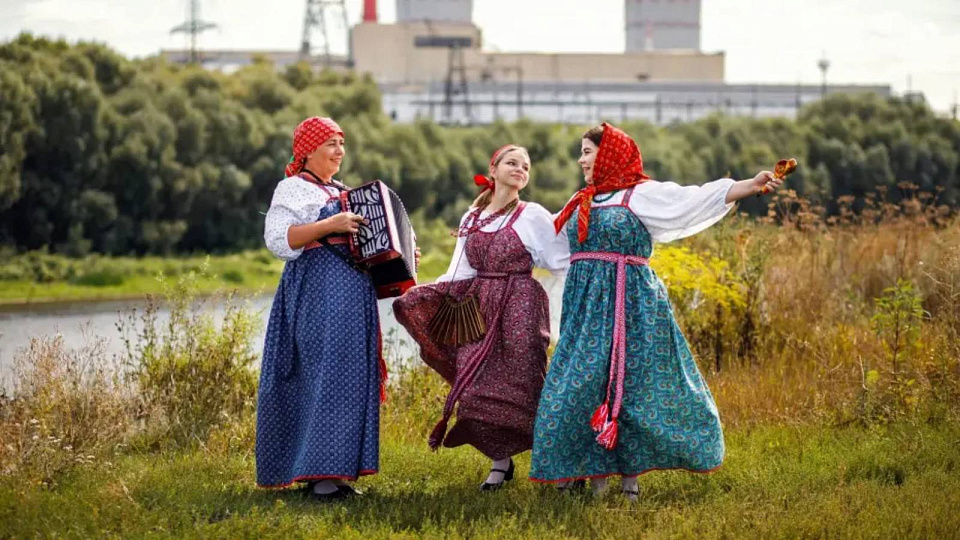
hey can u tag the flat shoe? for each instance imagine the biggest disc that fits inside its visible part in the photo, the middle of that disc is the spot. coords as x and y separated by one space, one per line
577 486
337 495
507 475
348 490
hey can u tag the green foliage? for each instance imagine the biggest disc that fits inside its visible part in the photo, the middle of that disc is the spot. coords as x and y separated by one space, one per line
102 154
40 276
107 155
100 278
705 293
897 318
193 373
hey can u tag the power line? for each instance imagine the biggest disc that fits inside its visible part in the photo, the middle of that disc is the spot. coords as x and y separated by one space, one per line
315 25
193 26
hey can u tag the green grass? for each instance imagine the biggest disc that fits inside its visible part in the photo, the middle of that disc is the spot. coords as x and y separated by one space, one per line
778 482
41 278
19 292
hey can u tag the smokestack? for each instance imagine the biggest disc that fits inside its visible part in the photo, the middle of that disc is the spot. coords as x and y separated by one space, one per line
370 11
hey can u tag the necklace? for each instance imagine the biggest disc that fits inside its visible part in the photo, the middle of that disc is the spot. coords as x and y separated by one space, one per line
473 223
310 176
609 196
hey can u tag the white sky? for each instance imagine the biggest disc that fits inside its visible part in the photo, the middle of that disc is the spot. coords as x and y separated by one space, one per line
867 41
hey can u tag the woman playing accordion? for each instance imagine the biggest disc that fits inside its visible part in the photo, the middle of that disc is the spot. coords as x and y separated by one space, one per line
321 378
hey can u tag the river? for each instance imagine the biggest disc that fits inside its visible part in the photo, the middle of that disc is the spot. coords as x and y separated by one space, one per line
80 323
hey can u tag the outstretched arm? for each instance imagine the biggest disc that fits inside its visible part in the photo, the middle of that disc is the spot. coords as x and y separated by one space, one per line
746 188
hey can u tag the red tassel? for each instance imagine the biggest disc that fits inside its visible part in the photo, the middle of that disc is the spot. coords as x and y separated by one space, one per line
608 437
438 434
599 417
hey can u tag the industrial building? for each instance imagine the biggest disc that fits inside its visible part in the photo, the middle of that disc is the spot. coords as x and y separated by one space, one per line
431 63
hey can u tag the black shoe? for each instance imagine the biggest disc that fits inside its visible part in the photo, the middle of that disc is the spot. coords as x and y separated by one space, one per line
632 495
507 475
337 495
577 486
348 490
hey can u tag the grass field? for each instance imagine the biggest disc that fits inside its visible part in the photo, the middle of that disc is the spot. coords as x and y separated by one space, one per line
902 481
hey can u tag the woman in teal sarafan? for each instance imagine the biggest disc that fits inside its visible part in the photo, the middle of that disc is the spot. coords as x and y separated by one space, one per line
623 395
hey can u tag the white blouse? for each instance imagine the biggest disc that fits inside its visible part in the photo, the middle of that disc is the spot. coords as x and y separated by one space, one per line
295 202
670 211
534 226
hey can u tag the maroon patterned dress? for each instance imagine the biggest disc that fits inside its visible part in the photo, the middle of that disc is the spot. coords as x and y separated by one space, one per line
499 377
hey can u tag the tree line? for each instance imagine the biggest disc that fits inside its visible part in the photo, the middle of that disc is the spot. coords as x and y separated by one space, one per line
103 154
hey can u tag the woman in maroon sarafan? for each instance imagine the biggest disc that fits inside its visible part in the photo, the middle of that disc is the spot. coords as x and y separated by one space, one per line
495 380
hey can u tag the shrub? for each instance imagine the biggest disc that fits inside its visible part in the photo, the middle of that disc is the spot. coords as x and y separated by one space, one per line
192 374
67 407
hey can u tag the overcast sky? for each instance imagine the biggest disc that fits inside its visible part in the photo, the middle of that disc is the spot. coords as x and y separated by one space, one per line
892 42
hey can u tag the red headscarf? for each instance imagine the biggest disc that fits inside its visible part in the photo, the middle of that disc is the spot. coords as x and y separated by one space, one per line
485 181
308 136
618 165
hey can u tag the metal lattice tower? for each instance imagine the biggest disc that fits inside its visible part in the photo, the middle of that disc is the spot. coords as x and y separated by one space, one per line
193 26
824 65
315 25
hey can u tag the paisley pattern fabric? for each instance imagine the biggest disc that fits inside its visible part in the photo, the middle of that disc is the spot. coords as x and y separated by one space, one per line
668 419
495 411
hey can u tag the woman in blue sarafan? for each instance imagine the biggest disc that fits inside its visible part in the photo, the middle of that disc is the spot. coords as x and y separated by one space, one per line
623 395
318 409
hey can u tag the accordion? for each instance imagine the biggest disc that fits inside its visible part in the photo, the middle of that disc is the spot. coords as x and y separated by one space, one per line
384 245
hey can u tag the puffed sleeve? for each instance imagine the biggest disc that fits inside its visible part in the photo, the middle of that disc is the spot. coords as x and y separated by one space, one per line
670 211
294 203
549 250
459 265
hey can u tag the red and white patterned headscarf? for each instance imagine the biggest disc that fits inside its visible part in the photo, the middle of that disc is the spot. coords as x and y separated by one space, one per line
308 136
618 165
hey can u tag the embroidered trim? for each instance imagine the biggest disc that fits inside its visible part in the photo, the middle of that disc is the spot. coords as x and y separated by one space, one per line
308 478
629 475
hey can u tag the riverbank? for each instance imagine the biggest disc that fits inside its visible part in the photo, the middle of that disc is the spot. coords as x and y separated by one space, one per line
39 278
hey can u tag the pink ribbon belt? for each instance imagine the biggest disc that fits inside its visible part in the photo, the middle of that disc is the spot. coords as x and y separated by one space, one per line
604 420
502 275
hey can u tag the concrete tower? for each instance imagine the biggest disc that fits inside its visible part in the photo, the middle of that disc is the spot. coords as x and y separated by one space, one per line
456 11
662 24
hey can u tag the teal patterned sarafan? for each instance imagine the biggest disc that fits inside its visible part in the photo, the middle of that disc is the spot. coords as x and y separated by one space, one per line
668 419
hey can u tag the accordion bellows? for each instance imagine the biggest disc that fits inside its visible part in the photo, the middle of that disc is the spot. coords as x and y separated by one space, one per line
457 322
384 244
